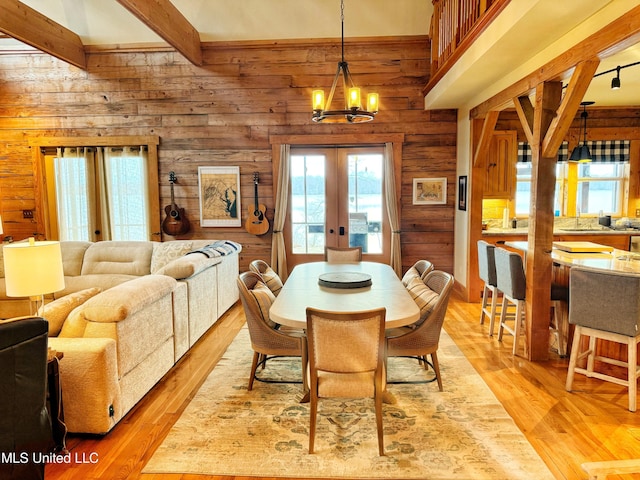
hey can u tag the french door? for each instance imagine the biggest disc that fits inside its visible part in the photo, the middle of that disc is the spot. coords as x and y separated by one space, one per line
336 199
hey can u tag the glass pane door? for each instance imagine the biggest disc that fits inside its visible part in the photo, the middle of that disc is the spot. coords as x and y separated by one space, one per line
337 199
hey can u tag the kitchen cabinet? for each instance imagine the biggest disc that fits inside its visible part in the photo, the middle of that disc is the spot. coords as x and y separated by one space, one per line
501 165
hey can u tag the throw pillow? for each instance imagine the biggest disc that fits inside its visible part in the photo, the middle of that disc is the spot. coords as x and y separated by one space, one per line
165 252
265 298
424 297
272 279
56 312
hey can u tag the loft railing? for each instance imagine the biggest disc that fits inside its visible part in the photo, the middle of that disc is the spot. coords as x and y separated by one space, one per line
454 26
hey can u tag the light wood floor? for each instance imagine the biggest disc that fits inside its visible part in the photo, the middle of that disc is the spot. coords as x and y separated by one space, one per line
566 429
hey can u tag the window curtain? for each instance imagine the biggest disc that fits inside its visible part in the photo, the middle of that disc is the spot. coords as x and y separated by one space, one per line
392 209
73 170
278 251
123 193
602 151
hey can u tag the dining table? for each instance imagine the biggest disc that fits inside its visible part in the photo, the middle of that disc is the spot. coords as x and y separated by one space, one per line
367 285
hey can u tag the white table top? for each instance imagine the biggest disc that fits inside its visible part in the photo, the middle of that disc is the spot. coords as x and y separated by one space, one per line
615 261
301 290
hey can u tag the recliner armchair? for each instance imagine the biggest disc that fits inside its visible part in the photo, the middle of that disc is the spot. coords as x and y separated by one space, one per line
25 424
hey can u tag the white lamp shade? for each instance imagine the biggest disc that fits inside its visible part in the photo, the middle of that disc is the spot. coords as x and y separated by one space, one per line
33 268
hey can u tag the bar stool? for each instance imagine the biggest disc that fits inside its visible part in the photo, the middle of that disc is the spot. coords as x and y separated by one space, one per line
605 305
510 280
487 272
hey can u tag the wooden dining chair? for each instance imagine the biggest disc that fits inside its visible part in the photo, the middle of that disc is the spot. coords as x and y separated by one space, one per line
346 360
267 341
342 254
421 339
268 274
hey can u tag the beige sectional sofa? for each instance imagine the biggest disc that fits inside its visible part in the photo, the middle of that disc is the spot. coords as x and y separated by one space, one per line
128 313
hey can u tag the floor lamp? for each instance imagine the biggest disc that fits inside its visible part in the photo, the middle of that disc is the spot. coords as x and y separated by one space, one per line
33 269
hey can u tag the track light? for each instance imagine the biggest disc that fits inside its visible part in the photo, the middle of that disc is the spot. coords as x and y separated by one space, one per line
615 82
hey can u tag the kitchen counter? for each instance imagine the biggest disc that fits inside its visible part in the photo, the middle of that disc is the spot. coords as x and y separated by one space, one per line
561 231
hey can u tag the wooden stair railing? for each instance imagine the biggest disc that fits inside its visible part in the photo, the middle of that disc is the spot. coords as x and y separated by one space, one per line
454 27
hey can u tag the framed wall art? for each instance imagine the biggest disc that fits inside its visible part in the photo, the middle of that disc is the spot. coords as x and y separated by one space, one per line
219 189
429 191
462 192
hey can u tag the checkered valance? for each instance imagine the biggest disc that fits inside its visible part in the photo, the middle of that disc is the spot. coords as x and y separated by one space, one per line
524 152
609 151
604 151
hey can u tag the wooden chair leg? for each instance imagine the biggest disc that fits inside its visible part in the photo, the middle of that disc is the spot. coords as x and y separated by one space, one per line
520 306
503 315
494 306
313 413
254 367
436 369
573 359
485 293
378 405
632 375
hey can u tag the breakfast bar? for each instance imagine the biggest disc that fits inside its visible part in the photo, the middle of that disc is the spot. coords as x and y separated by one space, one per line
589 255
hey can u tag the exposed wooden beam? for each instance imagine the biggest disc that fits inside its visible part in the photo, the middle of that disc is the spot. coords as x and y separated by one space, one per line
540 234
578 85
615 37
31 27
484 143
165 19
525 111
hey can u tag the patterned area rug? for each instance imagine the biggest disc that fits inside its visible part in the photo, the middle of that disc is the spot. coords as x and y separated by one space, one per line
462 433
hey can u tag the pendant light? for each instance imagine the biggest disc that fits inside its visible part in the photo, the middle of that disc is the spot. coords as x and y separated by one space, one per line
353 111
582 153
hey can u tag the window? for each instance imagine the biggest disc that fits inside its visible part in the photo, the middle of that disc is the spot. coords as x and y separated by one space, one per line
598 185
337 199
523 187
97 188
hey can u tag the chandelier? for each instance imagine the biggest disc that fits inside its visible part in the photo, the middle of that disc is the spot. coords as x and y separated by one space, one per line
353 111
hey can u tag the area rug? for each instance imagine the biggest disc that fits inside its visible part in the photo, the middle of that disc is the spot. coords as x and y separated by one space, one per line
462 433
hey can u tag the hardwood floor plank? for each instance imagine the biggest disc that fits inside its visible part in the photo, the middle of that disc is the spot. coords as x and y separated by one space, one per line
566 429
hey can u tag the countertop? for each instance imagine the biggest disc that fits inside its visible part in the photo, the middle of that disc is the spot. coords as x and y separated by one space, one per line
561 231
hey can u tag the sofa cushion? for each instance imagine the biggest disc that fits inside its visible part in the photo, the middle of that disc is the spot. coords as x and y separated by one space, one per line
82 282
56 312
187 266
165 252
424 297
117 303
125 257
73 256
265 298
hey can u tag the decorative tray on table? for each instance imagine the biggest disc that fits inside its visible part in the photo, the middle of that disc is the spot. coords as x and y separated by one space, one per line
344 280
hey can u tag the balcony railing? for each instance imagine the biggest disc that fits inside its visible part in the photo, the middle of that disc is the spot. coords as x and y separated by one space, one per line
454 26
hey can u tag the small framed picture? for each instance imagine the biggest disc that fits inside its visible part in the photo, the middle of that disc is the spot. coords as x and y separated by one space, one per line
462 192
219 189
429 191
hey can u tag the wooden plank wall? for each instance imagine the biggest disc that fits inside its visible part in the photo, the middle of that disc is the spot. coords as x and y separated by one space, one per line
223 114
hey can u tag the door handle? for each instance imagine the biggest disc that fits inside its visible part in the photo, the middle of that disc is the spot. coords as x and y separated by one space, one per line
341 230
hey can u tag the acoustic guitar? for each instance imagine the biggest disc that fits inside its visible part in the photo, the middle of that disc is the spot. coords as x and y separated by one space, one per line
257 223
176 223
